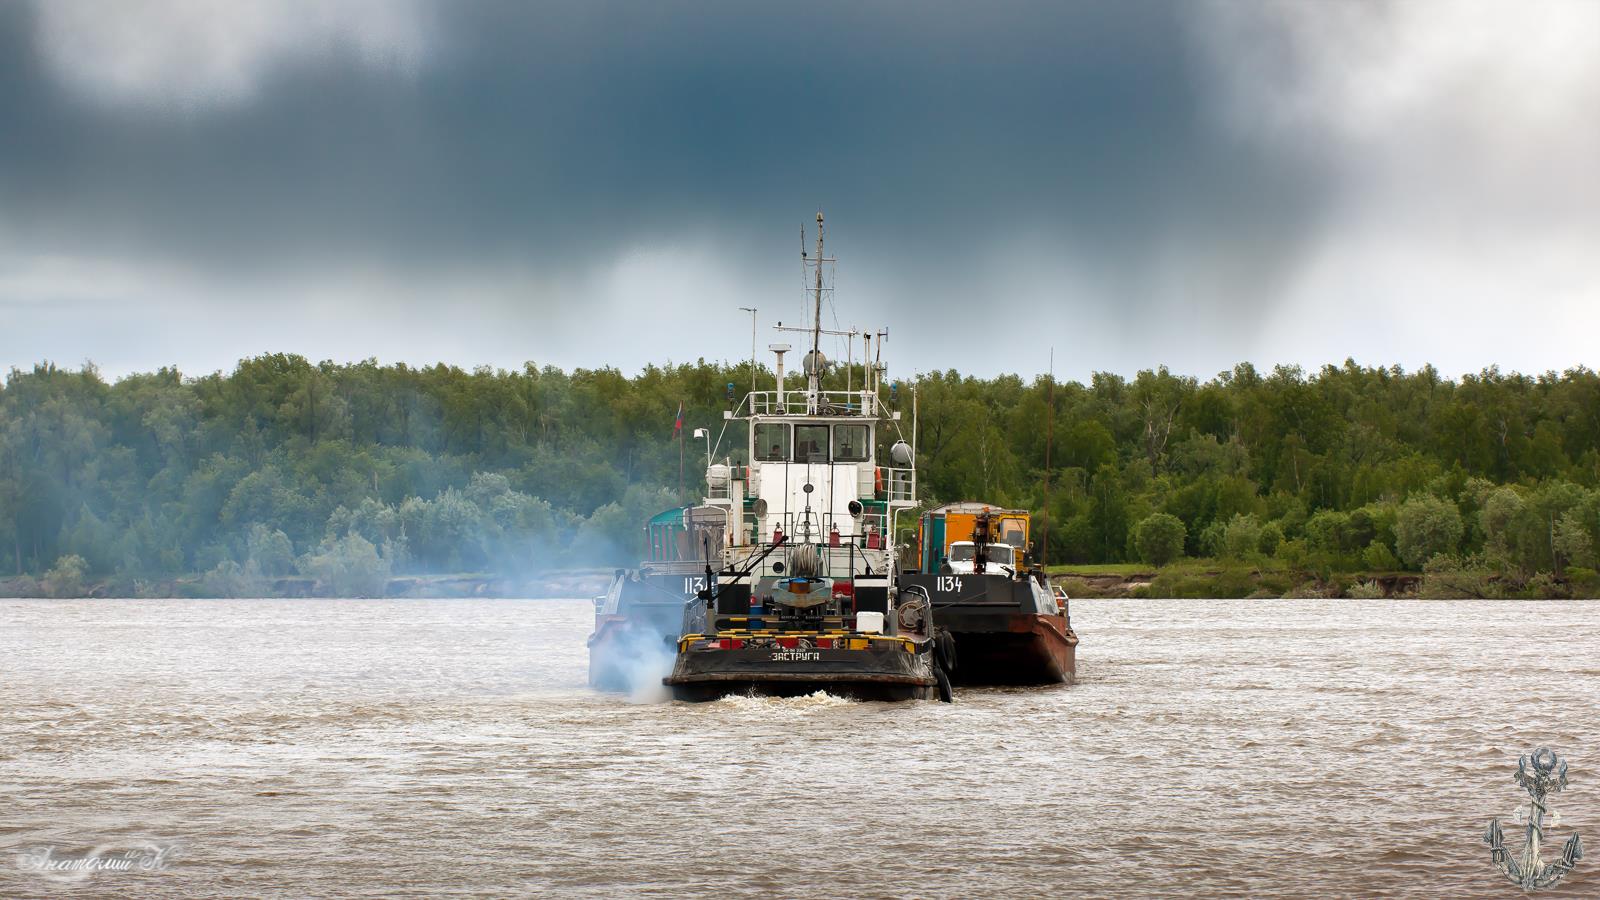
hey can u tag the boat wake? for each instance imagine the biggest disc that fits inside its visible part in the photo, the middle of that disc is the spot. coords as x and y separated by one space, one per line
758 703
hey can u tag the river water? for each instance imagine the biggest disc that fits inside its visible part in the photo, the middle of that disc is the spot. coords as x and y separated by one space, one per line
406 748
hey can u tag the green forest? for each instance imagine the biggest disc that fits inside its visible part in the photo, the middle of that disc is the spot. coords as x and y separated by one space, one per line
350 474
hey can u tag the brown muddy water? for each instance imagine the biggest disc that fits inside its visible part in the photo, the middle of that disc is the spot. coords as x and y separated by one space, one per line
421 748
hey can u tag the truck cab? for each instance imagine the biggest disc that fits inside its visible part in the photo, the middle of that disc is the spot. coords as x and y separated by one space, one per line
998 558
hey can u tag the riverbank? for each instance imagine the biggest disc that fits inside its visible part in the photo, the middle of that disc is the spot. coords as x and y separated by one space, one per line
559 583
1219 579
1189 579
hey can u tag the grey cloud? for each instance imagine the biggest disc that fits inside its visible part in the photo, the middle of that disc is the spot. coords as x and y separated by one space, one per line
1092 169
554 132
200 55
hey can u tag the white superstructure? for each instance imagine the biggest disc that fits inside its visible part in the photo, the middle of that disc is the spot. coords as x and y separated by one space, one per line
827 468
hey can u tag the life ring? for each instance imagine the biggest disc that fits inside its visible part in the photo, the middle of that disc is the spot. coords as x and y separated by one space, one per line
877 481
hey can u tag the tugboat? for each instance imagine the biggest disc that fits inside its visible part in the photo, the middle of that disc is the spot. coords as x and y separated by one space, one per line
637 619
808 599
1010 626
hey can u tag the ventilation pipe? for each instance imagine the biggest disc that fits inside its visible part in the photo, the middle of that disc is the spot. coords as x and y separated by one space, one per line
779 350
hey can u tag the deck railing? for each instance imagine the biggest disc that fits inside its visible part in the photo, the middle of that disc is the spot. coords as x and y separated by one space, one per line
900 485
798 403
867 531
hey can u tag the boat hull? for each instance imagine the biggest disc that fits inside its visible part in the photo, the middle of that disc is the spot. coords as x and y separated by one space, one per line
1006 630
703 675
1030 649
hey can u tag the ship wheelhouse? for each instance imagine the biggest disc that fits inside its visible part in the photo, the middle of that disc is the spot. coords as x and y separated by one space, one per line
847 502
818 473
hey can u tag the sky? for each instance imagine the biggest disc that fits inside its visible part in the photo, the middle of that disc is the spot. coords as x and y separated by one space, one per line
1097 186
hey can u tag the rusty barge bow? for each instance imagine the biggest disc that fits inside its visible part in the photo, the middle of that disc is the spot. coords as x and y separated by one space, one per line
1009 625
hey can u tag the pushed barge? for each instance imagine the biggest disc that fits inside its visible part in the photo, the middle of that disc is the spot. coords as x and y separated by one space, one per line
638 619
1010 626
808 598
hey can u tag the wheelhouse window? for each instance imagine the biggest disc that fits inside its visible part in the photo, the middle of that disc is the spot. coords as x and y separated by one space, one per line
772 442
850 443
811 443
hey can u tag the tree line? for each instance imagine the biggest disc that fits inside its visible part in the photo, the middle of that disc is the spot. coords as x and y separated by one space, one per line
288 467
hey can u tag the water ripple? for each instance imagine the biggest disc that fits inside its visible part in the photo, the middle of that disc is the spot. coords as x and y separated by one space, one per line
420 748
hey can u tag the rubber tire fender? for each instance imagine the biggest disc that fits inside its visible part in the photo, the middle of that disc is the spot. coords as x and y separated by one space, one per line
944 644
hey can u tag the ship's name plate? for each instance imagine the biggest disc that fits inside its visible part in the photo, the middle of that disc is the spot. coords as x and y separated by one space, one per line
796 656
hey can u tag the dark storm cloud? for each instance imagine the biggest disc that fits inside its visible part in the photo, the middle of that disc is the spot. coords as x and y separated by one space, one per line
1092 169
561 132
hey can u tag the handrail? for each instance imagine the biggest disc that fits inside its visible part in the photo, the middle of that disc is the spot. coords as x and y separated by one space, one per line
852 531
901 486
798 403
847 560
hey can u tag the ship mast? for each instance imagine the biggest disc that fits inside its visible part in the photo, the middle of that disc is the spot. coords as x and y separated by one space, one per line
815 288
816 328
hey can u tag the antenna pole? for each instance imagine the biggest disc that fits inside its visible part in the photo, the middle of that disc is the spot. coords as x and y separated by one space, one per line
752 311
849 360
866 365
1049 431
877 361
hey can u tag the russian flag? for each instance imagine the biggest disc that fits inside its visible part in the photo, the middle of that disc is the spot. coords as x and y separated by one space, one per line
677 426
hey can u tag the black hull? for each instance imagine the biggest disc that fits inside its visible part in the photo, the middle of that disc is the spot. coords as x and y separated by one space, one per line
705 691
1031 650
893 675
1001 636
